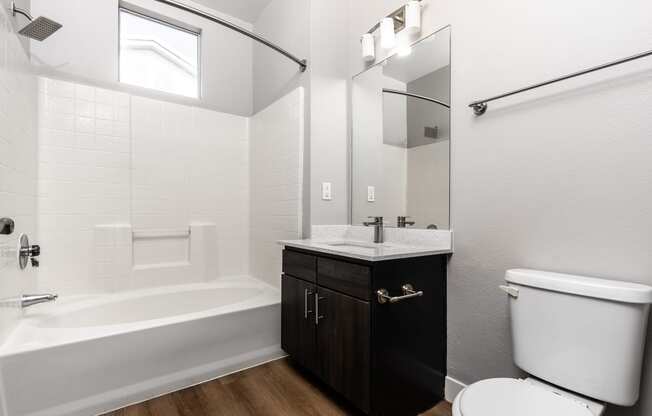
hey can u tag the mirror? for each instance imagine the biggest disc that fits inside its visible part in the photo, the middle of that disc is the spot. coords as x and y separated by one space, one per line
401 137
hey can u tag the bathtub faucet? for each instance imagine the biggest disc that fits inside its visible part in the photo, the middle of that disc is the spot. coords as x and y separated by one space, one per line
30 300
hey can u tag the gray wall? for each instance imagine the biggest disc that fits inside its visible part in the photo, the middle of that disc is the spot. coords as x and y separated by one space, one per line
423 113
557 179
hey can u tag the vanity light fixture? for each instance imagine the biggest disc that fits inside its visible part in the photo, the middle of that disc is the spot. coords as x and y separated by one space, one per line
387 34
406 20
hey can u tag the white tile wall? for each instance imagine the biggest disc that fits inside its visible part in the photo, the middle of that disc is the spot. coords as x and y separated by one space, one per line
191 165
18 166
84 180
110 162
276 157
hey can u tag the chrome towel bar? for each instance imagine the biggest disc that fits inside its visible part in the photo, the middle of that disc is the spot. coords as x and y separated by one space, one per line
480 106
408 293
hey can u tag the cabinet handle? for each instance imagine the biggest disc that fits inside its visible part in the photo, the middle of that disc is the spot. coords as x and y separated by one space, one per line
408 293
317 316
306 311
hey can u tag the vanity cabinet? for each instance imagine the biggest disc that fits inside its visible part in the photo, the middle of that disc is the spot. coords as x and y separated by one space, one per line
385 358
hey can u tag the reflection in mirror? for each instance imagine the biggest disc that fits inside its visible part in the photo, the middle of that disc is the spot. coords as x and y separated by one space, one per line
401 138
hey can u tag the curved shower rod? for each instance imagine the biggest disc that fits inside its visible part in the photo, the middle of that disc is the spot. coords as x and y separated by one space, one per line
420 97
303 64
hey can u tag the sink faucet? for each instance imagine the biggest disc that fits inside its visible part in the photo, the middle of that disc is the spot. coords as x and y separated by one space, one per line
30 300
401 222
377 223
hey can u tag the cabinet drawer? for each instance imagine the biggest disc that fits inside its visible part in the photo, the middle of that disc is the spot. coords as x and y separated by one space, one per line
351 279
303 266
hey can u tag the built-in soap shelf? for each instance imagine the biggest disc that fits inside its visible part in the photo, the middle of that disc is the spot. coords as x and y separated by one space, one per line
156 234
151 256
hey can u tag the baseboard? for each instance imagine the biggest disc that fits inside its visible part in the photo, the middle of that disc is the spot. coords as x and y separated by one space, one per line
452 388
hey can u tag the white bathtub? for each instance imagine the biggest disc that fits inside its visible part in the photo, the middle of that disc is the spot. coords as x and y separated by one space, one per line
90 354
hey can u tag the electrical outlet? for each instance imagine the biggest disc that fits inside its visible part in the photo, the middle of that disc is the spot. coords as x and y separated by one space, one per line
371 194
326 191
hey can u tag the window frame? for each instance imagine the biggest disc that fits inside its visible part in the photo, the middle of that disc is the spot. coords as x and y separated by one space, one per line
165 21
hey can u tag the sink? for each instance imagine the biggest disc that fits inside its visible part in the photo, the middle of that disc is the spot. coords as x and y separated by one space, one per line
358 247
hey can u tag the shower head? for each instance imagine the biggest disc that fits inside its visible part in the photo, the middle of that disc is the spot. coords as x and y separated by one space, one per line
40 28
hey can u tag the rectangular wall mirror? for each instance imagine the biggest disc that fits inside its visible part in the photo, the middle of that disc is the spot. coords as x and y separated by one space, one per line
401 137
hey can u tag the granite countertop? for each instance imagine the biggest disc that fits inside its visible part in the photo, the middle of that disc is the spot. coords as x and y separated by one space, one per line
364 250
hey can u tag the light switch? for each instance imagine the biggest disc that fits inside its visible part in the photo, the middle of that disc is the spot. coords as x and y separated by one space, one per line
326 193
371 194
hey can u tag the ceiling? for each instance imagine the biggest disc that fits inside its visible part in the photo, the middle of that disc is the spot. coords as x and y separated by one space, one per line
247 10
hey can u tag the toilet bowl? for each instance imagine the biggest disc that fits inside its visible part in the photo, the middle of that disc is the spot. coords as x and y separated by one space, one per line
582 338
518 397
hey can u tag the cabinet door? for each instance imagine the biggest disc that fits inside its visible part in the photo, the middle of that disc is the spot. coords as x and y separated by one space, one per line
298 335
343 334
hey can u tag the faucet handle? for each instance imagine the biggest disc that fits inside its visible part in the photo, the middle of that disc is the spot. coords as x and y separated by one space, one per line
378 219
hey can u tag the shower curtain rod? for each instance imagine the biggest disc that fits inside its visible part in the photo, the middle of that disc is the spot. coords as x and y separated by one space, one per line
420 97
303 64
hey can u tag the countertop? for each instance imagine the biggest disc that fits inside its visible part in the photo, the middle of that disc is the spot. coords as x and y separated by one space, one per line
365 250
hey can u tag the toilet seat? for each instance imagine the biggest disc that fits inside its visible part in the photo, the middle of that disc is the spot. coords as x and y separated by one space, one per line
512 397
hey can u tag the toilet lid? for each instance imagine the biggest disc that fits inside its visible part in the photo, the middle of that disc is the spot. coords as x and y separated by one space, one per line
511 397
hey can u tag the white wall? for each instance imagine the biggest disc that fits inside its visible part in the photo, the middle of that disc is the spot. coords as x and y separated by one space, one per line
557 178
86 48
276 160
18 164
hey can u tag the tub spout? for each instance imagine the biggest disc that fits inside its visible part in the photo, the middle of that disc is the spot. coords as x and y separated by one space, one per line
30 300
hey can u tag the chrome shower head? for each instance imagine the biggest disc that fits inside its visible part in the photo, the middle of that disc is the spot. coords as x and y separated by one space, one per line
40 28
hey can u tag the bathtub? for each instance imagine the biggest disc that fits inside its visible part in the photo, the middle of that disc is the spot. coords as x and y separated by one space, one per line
87 355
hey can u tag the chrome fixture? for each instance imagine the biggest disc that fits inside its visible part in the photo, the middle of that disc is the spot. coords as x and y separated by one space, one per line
27 252
407 17
408 293
379 232
303 64
7 226
306 311
401 222
30 300
480 106
317 315
40 28
420 97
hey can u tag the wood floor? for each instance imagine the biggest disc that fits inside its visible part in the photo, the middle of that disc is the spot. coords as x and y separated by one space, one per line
276 388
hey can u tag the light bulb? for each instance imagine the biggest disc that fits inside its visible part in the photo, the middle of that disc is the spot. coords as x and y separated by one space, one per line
368 47
413 17
387 34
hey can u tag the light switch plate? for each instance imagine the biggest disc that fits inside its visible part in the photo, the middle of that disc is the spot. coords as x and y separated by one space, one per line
371 194
326 191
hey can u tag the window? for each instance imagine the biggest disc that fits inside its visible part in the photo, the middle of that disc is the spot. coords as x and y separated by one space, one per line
158 54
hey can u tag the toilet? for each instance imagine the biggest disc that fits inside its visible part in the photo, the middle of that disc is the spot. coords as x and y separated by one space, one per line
580 338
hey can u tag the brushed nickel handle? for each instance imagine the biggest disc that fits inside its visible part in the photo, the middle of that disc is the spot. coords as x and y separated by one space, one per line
306 311
408 293
317 315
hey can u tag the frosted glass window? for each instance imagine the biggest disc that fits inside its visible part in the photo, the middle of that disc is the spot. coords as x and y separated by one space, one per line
158 55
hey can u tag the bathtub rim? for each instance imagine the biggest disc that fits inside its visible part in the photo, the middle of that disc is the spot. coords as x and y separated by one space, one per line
28 325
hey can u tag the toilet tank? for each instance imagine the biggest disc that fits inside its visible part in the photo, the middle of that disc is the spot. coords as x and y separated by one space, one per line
584 334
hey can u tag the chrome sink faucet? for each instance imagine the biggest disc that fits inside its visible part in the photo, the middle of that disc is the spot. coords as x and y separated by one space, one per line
379 231
30 300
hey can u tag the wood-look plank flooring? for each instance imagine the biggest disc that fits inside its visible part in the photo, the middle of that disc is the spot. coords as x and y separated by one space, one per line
275 388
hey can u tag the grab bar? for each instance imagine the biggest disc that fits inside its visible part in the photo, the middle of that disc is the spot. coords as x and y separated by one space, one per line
480 106
408 293
151 234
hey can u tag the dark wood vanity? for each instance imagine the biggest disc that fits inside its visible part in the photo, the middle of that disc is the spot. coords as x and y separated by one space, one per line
385 358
